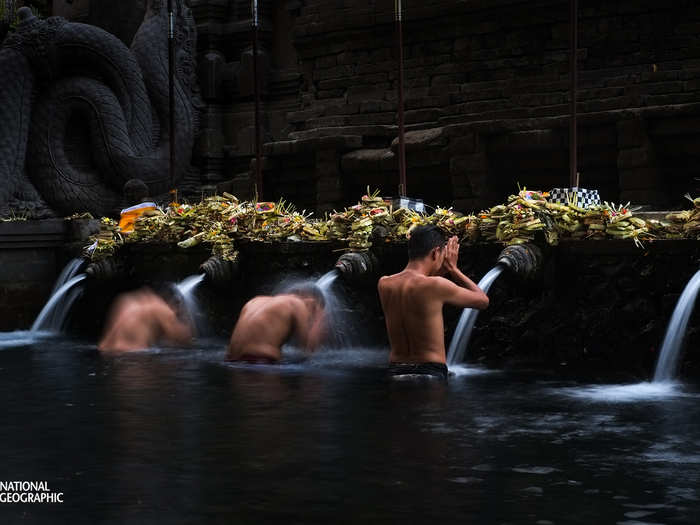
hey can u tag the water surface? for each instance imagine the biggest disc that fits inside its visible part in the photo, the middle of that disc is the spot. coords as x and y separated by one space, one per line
180 437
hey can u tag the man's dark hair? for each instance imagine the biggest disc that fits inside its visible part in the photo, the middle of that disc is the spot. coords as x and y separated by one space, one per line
308 290
135 191
423 239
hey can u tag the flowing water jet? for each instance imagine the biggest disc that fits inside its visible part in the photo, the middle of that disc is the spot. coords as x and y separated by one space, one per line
523 260
327 279
186 288
460 339
675 333
334 306
69 271
56 310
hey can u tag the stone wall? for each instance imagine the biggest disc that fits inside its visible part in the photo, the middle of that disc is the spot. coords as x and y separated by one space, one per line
488 80
505 65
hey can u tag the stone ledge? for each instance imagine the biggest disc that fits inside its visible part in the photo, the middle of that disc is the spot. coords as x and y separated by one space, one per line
33 234
453 127
422 139
291 147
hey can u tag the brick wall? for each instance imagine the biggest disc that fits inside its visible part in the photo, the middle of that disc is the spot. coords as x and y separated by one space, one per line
507 62
493 60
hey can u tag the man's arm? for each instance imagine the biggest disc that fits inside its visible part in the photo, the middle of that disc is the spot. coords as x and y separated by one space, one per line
461 291
461 297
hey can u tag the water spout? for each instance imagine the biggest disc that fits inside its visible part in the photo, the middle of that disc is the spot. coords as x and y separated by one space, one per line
357 266
218 271
107 269
521 259
463 332
675 333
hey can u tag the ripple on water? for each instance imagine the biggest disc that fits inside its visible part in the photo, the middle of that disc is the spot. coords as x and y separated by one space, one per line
21 338
464 370
534 470
465 480
634 522
657 391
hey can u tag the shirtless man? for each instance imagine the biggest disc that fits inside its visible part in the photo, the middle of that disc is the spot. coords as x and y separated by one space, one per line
412 301
139 320
267 322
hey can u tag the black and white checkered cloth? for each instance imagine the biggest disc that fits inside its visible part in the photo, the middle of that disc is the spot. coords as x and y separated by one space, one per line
582 197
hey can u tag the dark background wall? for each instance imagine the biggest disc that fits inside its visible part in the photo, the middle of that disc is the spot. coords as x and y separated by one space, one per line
488 78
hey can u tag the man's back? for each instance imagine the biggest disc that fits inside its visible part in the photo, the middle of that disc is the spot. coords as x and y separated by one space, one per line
263 326
138 321
413 317
413 299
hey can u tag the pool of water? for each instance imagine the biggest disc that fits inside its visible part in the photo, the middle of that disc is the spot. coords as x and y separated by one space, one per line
180 437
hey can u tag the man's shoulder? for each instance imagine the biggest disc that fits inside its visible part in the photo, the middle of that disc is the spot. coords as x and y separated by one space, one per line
411 280
284 303
392 281
259 300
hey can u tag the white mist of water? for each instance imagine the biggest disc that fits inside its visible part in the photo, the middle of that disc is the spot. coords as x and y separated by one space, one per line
675 333
334 316
464 370
187 288
55 311
19 338
656 391
460 339
327 279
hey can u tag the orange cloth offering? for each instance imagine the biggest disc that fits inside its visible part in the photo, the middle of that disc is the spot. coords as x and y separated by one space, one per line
129 215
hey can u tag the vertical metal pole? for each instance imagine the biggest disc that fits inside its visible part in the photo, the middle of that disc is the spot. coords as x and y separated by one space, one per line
398 11
573 76
256 87
171 90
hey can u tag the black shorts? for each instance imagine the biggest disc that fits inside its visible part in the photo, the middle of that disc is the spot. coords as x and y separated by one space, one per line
429 370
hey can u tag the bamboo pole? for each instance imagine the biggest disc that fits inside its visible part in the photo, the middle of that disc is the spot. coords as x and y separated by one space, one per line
398 14
171 91
573 77
256 88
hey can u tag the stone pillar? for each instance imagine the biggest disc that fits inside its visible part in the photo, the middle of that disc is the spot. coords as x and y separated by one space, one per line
638 172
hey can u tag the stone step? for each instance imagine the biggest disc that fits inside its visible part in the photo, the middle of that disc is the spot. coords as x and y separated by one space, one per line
387 131
379 130
311 145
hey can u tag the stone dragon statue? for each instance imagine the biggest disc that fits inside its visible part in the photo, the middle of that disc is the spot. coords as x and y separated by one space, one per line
81 113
